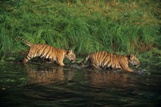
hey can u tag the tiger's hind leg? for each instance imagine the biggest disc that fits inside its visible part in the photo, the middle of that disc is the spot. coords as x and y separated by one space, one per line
95 66
26 59
30 55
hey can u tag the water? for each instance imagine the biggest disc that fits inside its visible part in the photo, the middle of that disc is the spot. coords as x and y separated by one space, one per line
48 85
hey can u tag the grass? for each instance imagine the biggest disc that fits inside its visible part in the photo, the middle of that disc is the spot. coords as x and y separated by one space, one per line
83 25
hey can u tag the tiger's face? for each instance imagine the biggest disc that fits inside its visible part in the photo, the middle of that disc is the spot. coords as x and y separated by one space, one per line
71 55
134 60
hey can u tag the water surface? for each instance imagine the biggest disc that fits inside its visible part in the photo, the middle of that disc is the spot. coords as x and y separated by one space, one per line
49 85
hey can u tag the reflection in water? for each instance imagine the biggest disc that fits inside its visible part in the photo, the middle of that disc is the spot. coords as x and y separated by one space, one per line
109 78
48 75
68 87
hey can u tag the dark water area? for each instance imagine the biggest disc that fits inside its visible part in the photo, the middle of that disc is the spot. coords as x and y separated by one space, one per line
48 85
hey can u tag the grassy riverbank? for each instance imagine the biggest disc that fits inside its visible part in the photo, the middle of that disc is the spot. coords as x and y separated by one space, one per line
123 26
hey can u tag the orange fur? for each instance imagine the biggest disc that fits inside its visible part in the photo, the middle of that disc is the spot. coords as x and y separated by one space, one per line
109 60
48 52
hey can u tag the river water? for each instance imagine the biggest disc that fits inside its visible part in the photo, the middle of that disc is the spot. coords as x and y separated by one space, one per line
48 85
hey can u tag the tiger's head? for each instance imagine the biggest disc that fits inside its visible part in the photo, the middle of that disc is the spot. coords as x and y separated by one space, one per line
133 60
71 55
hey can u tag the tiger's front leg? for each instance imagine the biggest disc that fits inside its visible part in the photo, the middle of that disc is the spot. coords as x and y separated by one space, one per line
125 67
129 70
60 62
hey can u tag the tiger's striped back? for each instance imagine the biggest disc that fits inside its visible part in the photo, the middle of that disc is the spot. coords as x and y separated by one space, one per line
48 52
109 60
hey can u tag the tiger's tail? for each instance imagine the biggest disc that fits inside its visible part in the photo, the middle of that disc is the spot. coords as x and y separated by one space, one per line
82 64
85 59
23 40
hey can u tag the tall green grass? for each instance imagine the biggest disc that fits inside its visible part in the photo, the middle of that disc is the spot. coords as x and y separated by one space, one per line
82 25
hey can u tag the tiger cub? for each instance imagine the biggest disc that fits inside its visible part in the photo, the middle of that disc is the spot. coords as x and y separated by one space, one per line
48 52
109 60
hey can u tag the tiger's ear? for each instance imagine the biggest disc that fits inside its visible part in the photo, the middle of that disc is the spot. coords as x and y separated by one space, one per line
130 56
70 52
134 54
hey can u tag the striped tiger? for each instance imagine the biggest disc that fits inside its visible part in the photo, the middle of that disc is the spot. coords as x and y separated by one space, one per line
48 52
104 60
